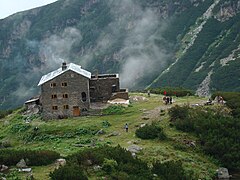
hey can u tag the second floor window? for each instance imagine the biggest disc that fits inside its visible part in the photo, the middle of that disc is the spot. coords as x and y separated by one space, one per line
64 84
53 85
65 95
54 96
54 108
65 107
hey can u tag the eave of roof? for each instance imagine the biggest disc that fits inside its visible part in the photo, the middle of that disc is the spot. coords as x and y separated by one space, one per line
73 67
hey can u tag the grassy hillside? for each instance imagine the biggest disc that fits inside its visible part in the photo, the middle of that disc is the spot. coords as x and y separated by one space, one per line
67 136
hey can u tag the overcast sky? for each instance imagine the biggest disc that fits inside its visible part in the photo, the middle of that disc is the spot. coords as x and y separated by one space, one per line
8 7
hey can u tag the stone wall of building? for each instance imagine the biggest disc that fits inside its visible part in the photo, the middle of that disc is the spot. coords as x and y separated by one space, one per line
65 96
102 87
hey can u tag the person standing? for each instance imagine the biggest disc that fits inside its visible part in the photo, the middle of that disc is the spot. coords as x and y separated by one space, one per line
126 127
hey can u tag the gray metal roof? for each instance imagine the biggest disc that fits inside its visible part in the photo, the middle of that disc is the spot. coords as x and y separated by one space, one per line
71 66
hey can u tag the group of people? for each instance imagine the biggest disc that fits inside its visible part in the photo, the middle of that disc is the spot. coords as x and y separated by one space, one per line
167 99
219 99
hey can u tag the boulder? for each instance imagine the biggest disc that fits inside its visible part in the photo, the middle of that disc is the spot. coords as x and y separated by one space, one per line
60 162
3 168
134 148
25 170
21 164
97 168
114 133
222 173
100 132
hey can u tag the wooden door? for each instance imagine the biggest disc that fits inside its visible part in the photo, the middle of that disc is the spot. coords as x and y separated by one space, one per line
76 111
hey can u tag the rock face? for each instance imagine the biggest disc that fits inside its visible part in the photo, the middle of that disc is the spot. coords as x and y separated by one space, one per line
228 10
204 88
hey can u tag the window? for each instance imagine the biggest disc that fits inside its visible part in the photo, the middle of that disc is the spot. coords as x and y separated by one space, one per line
84 96
84 110
53 85
54 96
114 88
65 107
54 108
64 84
65 95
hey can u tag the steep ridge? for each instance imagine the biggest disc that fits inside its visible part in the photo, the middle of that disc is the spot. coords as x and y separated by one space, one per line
217 42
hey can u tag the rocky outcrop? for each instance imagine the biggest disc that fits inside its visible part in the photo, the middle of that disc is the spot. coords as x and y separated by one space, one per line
204 88
227 10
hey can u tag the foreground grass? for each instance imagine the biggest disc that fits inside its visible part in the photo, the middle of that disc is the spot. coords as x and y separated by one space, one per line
64 136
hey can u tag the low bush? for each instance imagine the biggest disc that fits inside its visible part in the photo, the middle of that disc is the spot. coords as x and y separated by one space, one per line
218 133
106 124
170 170
109 165
152 131
114 109
68 172
115 161
3 113
178 112
34 158
17 128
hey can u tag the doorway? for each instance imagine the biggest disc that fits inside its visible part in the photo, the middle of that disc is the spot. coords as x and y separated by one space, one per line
76 111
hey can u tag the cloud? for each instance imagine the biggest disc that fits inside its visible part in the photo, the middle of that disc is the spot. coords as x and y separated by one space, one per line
56 48
136 30
142 56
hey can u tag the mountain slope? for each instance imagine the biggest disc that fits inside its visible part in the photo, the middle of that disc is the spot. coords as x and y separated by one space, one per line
138 39
211 62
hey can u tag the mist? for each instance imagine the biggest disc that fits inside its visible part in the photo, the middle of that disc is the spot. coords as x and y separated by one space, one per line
139 56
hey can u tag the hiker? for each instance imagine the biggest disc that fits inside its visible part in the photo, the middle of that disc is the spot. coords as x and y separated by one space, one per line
126 127
148 92
170 99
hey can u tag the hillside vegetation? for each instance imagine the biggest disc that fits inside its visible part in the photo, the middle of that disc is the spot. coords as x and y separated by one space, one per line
85 147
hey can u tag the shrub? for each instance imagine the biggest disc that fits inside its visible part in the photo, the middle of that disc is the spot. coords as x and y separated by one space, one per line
178 112
16 128
218 133
169 170
114 110
106 124
150 132
35 158
109 165
68 172
115 161
3 113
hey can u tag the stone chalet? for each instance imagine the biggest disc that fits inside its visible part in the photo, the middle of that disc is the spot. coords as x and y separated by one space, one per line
69 90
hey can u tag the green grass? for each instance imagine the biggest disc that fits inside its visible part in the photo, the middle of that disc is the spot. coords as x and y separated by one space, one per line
58 130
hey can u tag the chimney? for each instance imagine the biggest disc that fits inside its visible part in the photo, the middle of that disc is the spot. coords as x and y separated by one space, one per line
96 75
64 66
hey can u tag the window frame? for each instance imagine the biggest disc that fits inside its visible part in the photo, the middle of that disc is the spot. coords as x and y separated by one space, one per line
65 96
55 108
53 84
